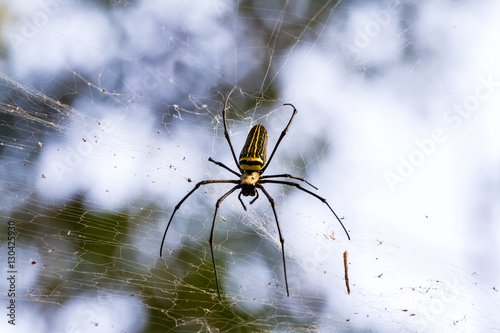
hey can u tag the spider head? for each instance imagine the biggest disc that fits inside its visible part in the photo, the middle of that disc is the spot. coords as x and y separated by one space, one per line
248 191
248 182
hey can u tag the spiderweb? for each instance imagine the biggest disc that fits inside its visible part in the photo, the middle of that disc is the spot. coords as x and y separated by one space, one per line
110 110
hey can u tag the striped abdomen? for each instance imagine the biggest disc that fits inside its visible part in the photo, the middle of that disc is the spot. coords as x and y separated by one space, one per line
254 153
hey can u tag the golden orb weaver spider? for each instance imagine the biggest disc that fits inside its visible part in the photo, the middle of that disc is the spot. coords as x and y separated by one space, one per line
251 166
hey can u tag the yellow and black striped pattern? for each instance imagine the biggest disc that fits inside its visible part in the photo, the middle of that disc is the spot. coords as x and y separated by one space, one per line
254 153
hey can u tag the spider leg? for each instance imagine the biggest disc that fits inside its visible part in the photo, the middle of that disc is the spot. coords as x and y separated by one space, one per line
307 191
239 198
280 138
282 240
203 182
289 176
224 166
211 240
226 133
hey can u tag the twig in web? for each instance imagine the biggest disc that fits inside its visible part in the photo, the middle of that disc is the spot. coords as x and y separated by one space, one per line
346 275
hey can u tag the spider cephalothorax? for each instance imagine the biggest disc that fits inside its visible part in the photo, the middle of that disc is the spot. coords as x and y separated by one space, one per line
248 182
251 167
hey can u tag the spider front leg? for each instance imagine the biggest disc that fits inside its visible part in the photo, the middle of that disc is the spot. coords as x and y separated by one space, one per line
282 240
211 240
203 182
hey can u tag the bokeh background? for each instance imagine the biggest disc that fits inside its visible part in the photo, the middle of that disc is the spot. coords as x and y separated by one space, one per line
110 110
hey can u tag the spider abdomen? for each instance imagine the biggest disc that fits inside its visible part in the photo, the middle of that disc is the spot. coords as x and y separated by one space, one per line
254 153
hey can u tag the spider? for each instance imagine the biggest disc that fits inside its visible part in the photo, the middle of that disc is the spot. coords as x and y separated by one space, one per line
251 166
